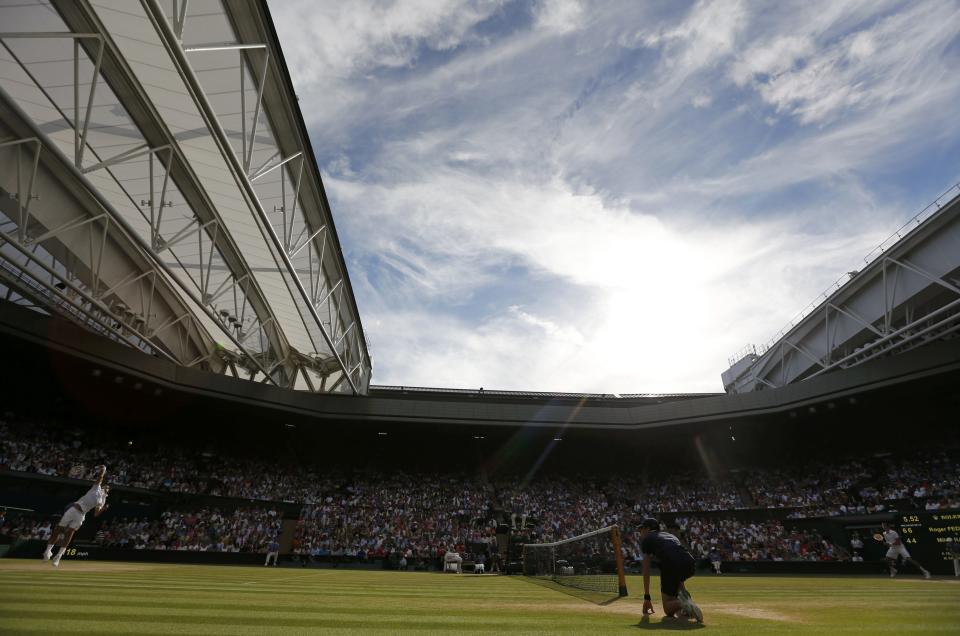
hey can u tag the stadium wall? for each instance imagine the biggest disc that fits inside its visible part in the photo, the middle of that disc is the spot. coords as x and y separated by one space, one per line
74 350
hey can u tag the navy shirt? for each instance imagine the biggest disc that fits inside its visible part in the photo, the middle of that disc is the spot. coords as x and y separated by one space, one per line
664 546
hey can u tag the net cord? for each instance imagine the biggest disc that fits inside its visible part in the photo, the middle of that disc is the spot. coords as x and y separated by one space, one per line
579 537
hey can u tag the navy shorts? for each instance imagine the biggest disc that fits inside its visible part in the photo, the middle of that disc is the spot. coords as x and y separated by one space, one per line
673 573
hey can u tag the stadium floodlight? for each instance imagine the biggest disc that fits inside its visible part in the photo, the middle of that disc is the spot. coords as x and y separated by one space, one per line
592 561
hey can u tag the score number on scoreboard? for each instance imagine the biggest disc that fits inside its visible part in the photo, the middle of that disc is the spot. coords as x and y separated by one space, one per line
931 536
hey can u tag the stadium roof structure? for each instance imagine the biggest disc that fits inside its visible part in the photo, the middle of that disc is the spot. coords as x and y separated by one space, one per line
159 188
904 295
103 373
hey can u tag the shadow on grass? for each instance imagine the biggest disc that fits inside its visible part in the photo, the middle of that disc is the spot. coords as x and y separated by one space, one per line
591 596
666 623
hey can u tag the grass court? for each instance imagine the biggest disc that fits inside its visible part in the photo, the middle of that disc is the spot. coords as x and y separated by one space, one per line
133 598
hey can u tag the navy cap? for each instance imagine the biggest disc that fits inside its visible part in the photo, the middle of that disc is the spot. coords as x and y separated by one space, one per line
650 523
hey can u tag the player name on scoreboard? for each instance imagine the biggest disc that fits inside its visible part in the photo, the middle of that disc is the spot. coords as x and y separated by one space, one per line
932 535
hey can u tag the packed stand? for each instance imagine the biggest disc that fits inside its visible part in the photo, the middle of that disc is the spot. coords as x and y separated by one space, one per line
681 493
935 479
853 487
47 450
555 508
204 530
415 517
372 514
20 527
767 540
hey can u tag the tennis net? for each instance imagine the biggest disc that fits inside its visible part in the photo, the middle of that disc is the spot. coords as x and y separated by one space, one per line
592 561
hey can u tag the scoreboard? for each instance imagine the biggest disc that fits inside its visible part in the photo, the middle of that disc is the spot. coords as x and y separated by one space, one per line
932 538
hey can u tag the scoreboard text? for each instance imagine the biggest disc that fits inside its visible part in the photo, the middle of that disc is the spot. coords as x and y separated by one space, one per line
931 536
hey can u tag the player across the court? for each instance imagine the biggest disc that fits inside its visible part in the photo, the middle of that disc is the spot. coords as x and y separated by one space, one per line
95 499
896 549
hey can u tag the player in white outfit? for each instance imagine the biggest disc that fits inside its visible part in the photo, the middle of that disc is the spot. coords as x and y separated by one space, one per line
95 499
895 548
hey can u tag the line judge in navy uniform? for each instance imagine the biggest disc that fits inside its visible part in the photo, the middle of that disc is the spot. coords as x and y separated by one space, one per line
676 566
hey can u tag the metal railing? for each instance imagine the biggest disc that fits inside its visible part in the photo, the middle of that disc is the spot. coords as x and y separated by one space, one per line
91 321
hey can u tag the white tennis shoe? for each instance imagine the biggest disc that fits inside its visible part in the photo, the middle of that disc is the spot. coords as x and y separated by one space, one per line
689 607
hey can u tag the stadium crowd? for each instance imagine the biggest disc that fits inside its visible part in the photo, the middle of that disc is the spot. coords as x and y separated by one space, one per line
46 449
21 526
556 507
931 482
824 489
681 493
767 540
374 514
205 530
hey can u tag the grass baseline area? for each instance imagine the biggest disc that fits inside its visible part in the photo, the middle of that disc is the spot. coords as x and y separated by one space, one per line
134 598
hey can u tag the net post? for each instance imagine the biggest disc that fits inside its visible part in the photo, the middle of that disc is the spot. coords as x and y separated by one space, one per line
618 555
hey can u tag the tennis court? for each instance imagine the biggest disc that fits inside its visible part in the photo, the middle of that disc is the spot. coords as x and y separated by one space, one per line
127 598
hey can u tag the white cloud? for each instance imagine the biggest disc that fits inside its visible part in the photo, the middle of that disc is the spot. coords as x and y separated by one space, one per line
551 329
560 16
869 67
862 45
706 35
771 58
333 40
662 306
702 100
543 209
329 46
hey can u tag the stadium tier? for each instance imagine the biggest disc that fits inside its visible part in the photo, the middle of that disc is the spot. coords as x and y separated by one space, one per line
381 502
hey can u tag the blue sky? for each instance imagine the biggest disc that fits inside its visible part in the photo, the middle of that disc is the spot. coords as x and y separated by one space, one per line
577 195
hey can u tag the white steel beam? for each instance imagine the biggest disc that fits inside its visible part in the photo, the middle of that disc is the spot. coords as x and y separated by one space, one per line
240 169
143 112
107 215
